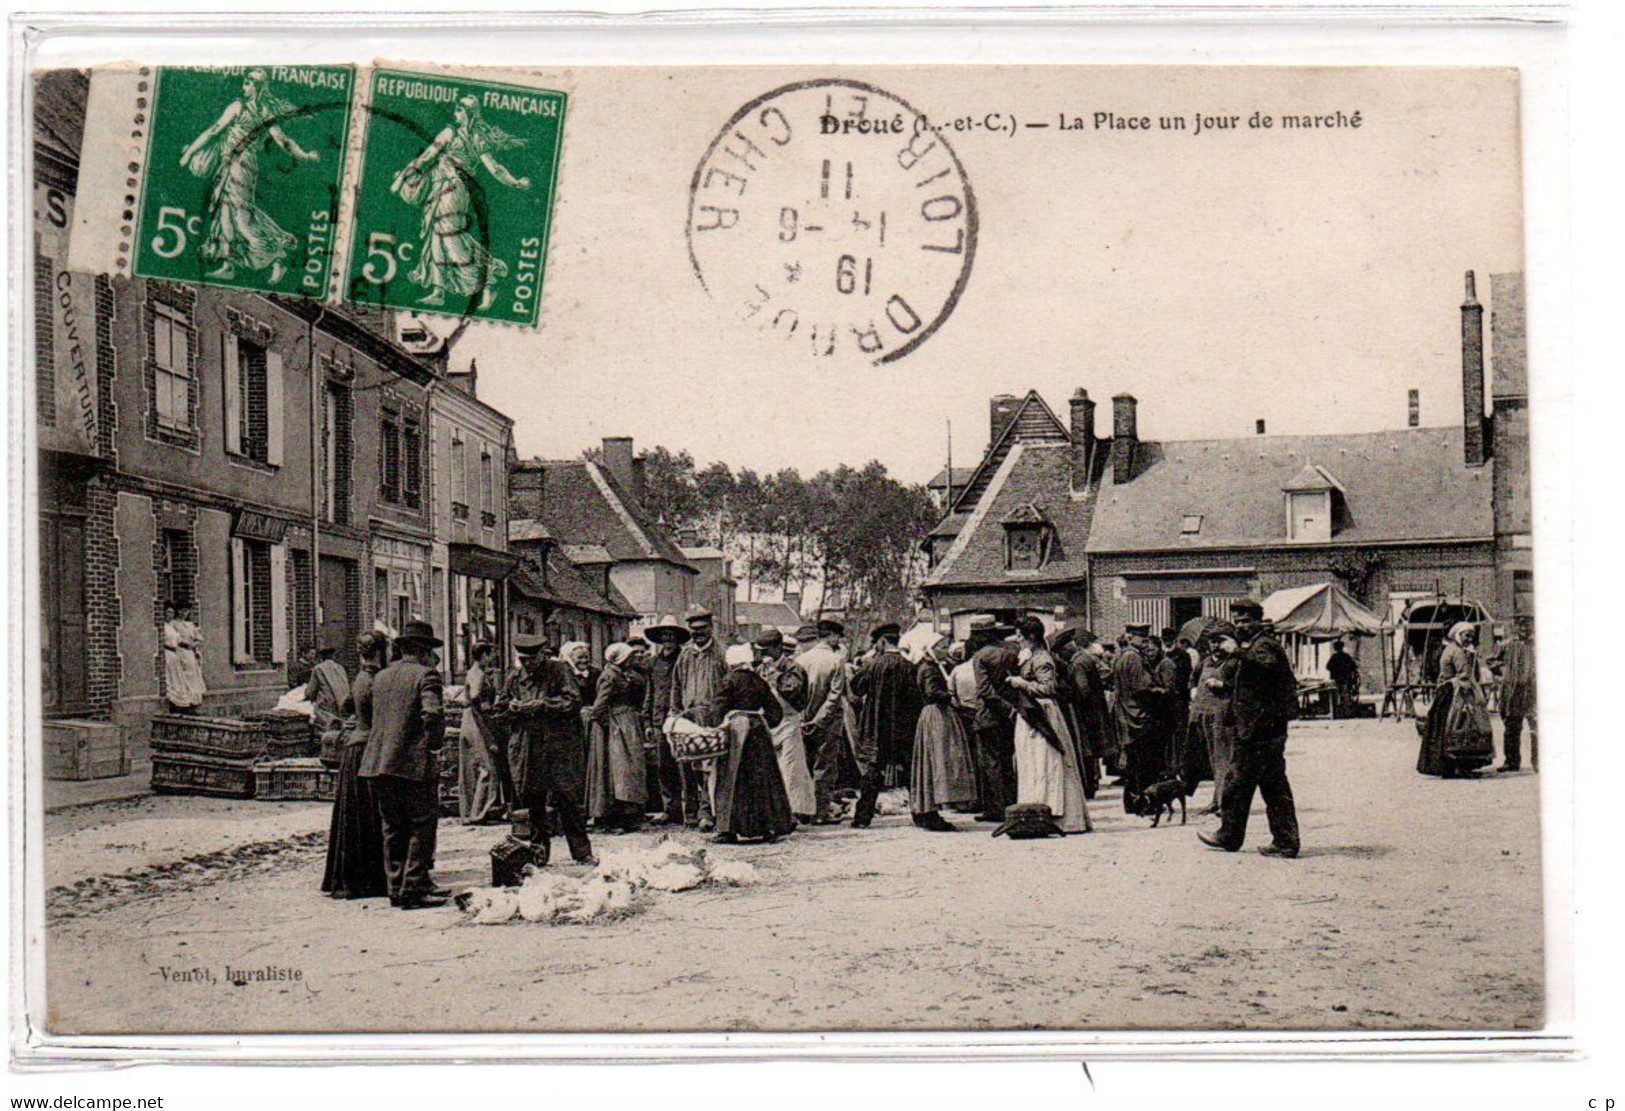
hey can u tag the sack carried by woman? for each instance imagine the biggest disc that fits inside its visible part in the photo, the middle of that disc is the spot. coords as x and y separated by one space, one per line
1467 730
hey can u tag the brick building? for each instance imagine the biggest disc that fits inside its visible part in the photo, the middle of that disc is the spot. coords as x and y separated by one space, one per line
263 461
1119 529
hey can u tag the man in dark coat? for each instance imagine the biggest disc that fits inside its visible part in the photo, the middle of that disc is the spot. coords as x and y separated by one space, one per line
889 714
993 662
1141 714
1264 700
1344 672
543 704
668 636
408 728
1517 675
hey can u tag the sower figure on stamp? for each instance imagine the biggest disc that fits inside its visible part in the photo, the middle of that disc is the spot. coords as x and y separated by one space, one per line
1263 702
240 232
543 705
824 723
408 728
695 681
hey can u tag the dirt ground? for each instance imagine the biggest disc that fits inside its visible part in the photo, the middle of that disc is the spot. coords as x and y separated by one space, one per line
1416 904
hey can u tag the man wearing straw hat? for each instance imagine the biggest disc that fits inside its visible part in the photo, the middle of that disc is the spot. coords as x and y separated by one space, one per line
696 680
408 728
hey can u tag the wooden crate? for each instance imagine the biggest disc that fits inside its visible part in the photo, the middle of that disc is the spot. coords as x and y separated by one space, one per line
271 736
85 750
298 779
185 774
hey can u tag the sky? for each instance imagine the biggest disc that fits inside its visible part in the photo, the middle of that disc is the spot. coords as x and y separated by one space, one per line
1306 278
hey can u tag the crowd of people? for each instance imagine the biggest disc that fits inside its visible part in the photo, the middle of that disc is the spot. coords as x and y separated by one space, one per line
1014 725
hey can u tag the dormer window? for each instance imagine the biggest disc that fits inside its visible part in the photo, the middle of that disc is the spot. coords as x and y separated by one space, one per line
1310 503
1027 539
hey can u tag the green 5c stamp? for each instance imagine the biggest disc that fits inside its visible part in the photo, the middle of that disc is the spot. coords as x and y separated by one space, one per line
242 180
455 198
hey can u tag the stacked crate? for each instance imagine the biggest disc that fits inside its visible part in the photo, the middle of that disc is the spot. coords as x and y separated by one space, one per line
85 750
196 755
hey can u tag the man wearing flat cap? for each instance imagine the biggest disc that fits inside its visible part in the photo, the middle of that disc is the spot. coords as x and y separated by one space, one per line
888 714
408 728
696 682
823 660
1264 700
543 701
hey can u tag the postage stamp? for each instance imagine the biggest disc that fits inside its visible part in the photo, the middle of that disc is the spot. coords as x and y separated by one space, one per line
832 214
455 198
244 165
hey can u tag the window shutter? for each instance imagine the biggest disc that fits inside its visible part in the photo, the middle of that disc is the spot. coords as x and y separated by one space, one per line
273 408
279 603
231 371
240 653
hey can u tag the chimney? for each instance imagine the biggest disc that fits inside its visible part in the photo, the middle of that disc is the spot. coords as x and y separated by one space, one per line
618 461
1083 438
1414 420
1258 426
1001 411
1472 376
1125 433
527 489
688 538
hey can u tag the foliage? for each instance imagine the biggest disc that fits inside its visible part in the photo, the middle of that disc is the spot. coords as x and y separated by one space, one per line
854 531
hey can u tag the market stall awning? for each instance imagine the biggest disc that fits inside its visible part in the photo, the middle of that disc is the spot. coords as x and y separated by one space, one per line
480 562
1321 610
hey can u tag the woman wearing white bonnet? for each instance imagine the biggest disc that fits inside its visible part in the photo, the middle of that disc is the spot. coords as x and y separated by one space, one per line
1456 737
617 780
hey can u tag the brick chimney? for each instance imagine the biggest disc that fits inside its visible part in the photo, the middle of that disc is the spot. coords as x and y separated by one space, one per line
619 460
1472 376
1125 434
1000 412
1083 437
527 489
1413 417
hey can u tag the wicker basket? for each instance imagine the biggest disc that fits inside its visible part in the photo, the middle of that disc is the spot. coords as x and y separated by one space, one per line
276 735
691 743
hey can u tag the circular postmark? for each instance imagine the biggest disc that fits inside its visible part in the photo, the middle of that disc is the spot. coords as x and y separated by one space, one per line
829 214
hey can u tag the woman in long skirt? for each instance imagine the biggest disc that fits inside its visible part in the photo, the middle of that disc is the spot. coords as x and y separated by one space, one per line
1456 739
943 774
788 682
751 801
183 666
1047 770
355 839
617 775
479 797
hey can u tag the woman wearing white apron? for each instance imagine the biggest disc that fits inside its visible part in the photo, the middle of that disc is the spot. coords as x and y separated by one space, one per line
788 682
1047 770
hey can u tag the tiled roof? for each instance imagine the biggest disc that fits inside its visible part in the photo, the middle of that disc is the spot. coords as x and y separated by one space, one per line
776 614
584 505
1032 421
1408 485
949 525
527 528
1034 483
566 586
1312 477
588 553
962 476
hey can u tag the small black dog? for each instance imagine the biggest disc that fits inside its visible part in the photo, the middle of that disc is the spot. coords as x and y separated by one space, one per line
1160 797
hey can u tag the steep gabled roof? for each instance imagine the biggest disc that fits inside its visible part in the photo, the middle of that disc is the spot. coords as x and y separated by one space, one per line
1033 485
583 505
776 614
561 583
1399 486
1032 421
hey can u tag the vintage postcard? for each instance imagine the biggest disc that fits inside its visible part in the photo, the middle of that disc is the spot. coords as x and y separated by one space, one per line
712 549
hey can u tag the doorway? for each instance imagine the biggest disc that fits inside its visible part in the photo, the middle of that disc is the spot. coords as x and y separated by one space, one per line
338 623
1181 610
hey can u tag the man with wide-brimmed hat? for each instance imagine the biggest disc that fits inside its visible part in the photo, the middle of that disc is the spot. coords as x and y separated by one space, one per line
668 635
696 680
543 701
401 760
993 661
823 723
1263 702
